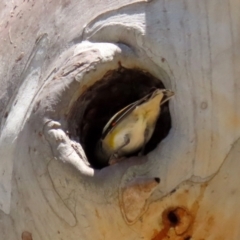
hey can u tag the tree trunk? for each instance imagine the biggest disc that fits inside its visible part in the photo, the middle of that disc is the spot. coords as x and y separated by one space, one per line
63 63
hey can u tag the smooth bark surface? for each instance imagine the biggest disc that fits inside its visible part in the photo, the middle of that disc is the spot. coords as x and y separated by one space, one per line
51 52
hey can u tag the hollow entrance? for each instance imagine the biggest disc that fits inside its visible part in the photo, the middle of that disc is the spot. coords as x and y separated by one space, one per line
113 92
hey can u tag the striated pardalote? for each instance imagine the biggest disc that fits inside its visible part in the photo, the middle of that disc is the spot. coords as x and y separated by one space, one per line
132 127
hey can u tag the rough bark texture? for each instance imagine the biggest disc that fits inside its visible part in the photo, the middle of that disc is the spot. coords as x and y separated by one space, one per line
51 53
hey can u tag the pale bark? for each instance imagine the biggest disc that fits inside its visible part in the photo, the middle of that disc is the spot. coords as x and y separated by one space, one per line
51 51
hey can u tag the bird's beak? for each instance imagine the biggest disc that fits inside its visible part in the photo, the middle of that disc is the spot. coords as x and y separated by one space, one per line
167 94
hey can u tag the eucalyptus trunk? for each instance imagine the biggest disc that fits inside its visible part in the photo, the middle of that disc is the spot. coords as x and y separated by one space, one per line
63 63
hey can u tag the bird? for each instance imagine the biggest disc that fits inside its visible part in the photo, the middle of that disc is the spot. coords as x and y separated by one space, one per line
129 130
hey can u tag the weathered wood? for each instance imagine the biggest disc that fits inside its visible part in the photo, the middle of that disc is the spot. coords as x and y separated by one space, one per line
51 52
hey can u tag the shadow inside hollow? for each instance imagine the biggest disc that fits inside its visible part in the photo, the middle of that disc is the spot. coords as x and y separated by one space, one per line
114 91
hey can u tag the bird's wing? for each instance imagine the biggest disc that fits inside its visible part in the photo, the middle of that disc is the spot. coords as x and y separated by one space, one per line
112 123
